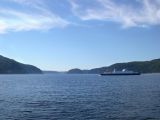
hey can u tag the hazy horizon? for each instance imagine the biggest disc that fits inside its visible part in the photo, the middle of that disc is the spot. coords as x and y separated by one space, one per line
61 35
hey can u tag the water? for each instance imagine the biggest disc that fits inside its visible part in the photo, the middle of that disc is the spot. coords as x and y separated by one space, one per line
79 97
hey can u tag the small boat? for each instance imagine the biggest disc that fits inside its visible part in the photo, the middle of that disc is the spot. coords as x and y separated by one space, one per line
123 72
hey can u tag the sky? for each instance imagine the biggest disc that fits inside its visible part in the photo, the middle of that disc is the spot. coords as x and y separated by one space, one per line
65 34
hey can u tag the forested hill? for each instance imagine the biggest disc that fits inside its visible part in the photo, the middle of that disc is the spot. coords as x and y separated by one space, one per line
152 66
10 66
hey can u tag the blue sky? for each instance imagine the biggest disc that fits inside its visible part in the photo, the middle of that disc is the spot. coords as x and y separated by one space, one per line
65 34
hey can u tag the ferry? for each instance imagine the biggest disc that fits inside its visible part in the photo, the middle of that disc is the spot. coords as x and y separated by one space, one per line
123 72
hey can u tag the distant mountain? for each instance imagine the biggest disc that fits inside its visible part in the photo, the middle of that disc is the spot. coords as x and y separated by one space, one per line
152 66
10 66
76 70
54 72
50 72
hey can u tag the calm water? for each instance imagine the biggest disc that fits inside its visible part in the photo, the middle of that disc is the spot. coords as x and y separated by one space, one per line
79 97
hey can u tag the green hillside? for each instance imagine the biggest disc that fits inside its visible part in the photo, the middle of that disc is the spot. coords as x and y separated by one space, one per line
10 66
152 66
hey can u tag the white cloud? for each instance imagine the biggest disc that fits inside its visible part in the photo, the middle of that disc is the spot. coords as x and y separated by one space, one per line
147 13
34 16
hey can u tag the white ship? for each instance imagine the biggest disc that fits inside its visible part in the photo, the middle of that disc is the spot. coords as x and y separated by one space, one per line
123 72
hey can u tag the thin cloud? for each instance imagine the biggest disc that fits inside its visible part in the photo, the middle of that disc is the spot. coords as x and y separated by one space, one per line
35 16
148 12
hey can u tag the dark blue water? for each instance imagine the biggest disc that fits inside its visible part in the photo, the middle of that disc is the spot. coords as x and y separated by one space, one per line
79 97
